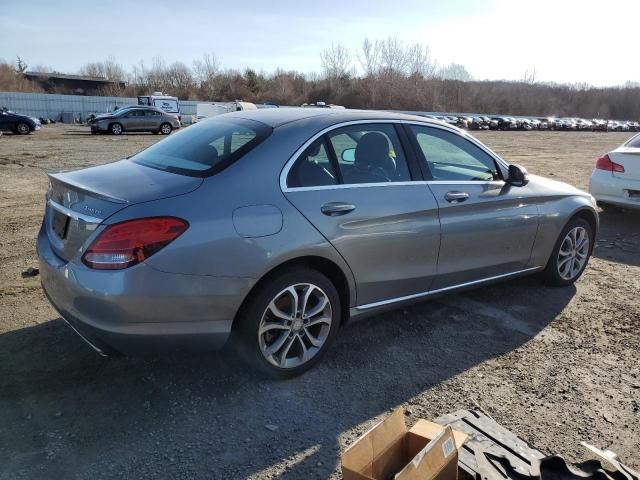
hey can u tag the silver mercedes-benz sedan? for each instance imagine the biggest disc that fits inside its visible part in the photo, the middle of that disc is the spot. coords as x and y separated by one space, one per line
275 227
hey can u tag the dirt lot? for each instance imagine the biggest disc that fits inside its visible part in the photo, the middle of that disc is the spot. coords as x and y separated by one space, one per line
554 365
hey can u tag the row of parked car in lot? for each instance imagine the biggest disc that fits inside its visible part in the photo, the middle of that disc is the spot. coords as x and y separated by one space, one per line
152 119
535 123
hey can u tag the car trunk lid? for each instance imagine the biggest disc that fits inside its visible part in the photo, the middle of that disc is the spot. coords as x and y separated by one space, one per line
79 201
629 158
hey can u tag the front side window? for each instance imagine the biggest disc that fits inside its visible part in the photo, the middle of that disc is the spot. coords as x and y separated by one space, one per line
204 148
369 153
313 168
134 113
452 157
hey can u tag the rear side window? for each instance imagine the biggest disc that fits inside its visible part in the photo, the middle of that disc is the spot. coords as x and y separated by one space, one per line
313 168
205 148
369 153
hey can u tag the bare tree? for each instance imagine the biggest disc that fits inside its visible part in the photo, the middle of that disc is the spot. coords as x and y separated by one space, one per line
336 61
108 69
390 75
12 80
21 66
529 76
113 71
207 67
419 61
455 71
393 56
368 58
41 68
206 71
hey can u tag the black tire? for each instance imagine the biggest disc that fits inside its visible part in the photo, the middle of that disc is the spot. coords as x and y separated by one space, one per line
551 273
247 324
23 128
116 129
165 128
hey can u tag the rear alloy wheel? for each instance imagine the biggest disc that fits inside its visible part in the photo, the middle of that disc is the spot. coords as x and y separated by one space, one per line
23 129
165 129
570 254
289 323
116 128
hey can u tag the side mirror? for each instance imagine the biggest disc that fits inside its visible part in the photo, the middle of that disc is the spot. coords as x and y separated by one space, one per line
518 176
349 155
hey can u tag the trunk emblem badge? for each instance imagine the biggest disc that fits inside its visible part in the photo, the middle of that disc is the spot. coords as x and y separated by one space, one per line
93 211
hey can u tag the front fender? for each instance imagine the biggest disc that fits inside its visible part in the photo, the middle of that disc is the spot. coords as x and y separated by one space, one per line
554 214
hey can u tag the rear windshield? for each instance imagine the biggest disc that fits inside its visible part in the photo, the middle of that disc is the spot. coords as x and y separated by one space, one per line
204 148
634 142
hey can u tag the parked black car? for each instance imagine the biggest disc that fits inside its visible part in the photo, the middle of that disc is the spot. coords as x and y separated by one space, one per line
17 123
477 123
506 123
493 124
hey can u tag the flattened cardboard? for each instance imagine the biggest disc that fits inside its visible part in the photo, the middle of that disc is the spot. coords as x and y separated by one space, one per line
427 451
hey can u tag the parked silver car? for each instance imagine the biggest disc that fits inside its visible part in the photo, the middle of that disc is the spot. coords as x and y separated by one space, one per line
279 225
135 119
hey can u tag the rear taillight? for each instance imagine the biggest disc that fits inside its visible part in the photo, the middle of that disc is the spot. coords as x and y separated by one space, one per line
125 244
605 163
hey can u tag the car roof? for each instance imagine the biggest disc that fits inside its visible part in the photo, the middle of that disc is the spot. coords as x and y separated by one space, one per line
275 117
142 107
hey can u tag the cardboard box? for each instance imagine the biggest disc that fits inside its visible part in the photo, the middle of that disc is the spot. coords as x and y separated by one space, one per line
389 450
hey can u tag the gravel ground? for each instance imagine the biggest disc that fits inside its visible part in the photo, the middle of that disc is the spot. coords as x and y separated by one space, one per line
556 366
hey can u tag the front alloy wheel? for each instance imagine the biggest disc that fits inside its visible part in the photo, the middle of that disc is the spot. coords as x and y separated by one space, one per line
295 325
573 253
570 254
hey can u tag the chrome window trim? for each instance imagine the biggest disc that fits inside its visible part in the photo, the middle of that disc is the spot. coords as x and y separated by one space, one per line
287 167
444 289
73 214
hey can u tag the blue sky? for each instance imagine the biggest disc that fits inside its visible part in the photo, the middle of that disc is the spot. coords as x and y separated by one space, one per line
563 40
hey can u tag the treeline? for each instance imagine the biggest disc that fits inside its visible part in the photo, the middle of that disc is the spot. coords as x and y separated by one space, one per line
382 74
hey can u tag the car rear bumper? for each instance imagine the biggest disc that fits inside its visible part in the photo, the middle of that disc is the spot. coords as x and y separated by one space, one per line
141 310
607 188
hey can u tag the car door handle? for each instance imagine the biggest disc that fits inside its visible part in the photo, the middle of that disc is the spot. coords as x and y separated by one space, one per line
333 209
456 197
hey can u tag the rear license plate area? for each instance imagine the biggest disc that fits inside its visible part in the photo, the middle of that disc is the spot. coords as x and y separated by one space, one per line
60 224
